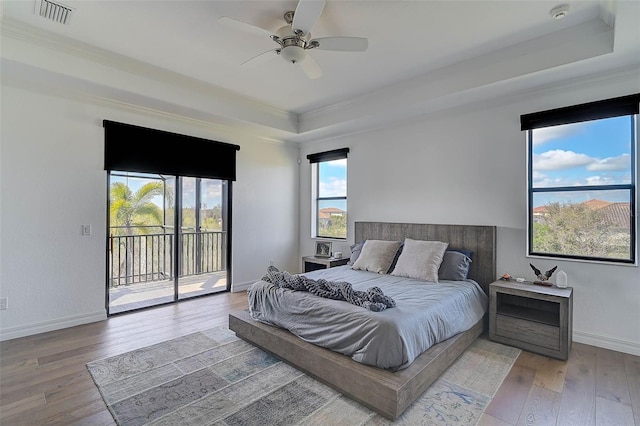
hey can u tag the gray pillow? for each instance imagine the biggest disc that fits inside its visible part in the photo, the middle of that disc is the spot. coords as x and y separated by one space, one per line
454 266
356 249
376 256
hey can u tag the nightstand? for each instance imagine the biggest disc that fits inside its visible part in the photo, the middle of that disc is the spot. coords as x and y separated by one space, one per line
531 317
312 263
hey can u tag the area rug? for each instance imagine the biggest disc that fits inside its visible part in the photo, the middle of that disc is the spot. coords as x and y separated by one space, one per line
214 378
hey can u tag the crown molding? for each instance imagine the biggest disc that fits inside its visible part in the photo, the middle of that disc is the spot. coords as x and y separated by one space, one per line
622 73
499 94
227 130
230 133
13 29
440 90
528 59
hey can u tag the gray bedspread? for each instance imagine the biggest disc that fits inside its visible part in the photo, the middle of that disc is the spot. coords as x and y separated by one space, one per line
425 314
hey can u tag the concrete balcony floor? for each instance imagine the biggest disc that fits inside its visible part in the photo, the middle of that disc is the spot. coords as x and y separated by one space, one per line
142 295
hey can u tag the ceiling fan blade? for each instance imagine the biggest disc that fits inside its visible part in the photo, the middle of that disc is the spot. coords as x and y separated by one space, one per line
259 59
243 26
310 67
307 14
342 44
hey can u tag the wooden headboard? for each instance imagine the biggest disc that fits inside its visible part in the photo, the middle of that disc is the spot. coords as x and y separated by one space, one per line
481 240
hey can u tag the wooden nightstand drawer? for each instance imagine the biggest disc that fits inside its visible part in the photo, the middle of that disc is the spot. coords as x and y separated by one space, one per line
546 336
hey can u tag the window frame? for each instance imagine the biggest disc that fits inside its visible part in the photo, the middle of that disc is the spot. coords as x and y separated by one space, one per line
617 107
315 160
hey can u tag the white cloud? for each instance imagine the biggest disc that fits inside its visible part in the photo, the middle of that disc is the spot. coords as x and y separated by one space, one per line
546 134
538 175
600 180
558 159
622 162
541 180
212 196
334 187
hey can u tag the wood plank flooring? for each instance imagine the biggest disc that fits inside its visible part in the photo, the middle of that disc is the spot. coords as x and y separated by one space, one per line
44 380
594 386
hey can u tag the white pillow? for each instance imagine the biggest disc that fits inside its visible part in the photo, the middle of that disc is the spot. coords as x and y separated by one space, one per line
420 260
376 256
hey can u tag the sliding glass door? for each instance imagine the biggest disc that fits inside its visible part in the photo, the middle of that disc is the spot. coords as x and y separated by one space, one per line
167 239
202 237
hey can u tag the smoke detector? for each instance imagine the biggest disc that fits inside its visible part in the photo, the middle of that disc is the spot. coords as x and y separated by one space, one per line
559 12
54 11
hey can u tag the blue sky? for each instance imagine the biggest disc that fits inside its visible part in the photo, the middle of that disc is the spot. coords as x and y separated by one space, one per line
333 182
588 153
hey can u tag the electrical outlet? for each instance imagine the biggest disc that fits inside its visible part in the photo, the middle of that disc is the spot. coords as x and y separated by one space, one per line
86 229
4 303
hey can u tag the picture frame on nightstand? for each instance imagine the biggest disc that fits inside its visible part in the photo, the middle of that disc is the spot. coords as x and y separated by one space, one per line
323 249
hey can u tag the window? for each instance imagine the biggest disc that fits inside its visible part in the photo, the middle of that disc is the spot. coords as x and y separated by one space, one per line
582 181
329 193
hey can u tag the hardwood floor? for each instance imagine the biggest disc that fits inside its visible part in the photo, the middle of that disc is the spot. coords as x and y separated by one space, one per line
593 387
44 380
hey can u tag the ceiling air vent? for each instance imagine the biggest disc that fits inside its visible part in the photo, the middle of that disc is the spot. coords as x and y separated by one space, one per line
53 11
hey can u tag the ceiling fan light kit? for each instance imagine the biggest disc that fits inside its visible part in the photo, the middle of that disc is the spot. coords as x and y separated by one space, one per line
293 44
294 39
293 54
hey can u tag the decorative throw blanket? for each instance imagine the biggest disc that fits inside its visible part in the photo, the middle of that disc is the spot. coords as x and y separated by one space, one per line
372 299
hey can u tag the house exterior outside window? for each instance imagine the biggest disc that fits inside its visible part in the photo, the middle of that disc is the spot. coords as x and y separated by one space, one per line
329 194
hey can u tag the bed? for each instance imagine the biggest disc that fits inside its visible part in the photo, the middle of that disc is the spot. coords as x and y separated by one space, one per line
385 383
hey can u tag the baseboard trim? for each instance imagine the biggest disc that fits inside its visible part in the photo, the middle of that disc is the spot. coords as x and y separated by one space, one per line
238 287
43 327
606 342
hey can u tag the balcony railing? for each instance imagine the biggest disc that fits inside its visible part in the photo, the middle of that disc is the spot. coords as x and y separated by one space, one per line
149 257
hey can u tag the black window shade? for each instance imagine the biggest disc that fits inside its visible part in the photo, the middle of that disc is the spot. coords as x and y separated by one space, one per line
140 149
336 154
624 105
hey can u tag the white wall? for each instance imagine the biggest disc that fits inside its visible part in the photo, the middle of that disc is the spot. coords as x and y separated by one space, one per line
52 182
457 166
468 166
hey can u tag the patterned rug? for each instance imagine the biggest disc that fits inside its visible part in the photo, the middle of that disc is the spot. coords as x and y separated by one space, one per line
214 378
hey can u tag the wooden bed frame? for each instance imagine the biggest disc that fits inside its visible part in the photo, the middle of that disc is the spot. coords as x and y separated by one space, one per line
385 392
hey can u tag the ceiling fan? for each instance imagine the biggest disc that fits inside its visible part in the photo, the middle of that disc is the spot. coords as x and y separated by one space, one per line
294 39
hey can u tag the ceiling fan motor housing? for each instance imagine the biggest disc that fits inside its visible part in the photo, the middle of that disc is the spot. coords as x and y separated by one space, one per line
293 46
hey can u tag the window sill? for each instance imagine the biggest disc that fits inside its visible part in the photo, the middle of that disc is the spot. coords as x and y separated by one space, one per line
592 261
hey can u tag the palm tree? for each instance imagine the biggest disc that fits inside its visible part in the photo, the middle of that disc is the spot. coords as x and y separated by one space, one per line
130 210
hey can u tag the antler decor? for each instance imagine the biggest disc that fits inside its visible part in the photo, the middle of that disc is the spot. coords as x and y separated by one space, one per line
543 279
